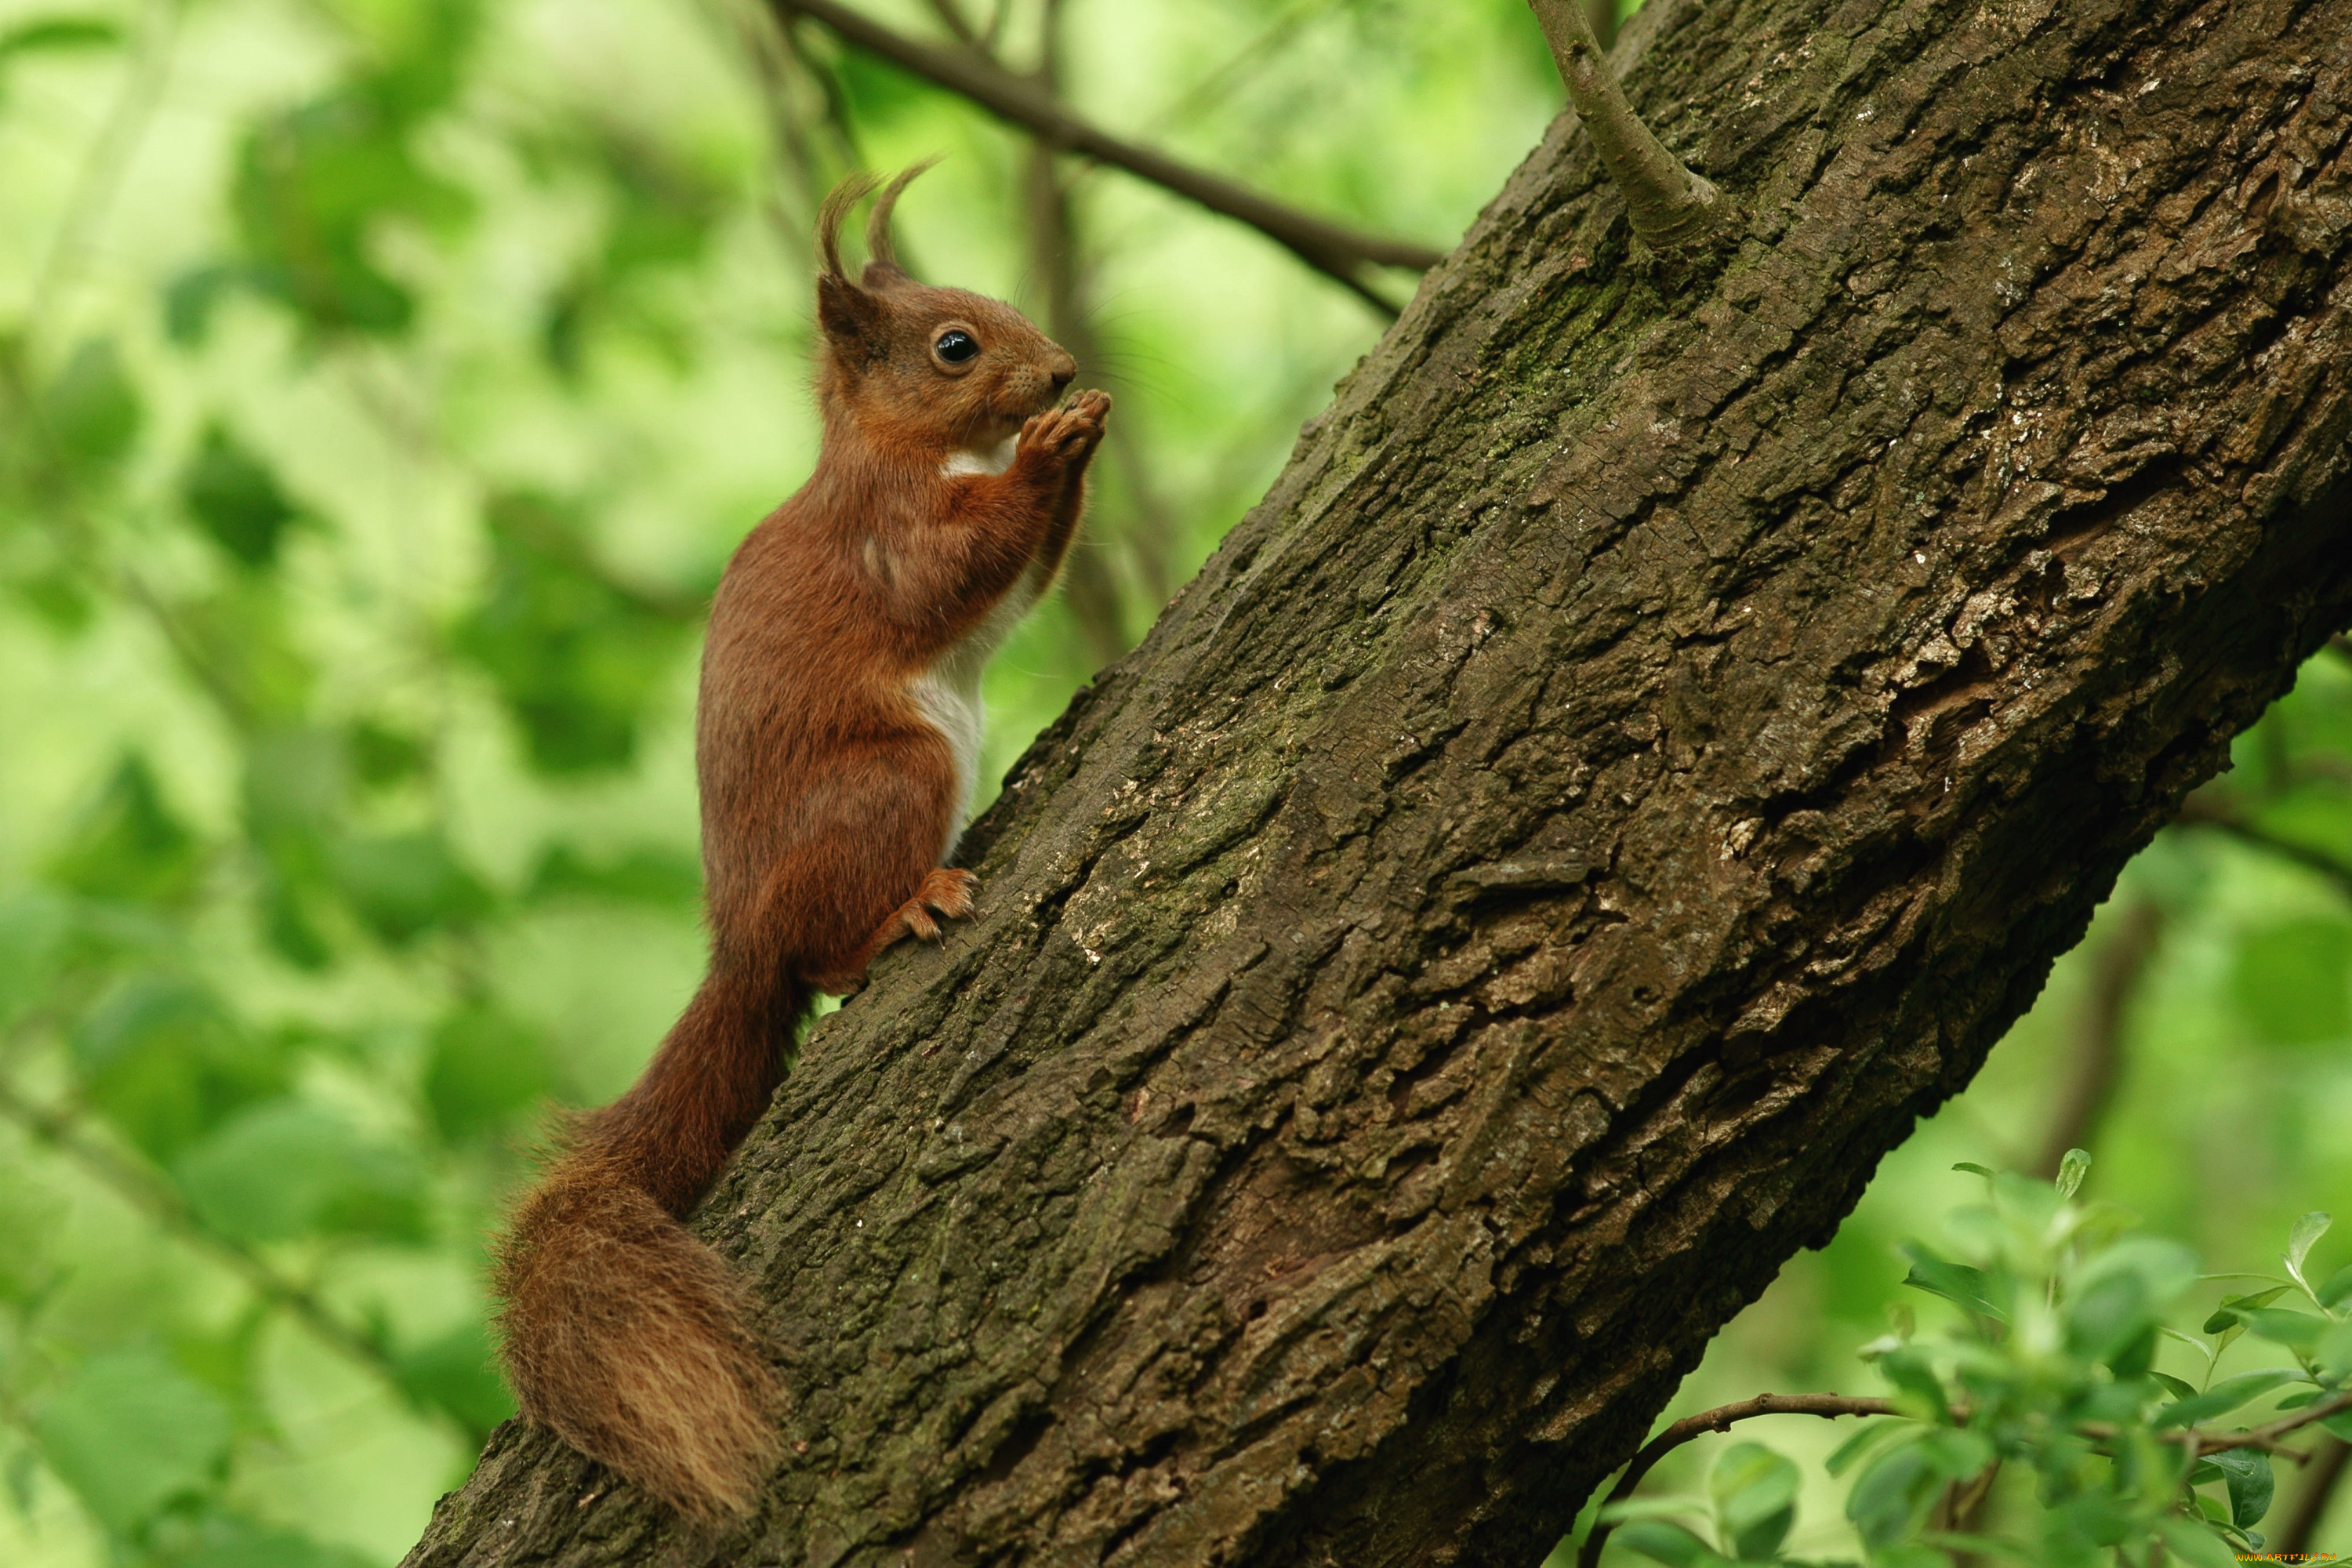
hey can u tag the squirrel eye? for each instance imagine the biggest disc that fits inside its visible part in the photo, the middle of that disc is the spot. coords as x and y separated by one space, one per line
955 346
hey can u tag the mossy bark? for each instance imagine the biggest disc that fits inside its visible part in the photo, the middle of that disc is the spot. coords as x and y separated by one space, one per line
1652 740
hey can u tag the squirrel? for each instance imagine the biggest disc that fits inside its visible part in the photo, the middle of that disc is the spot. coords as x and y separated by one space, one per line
836 738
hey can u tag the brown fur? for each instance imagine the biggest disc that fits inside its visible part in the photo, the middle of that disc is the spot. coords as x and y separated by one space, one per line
831 793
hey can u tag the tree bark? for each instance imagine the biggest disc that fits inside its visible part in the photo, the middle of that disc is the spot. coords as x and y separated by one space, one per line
1654 738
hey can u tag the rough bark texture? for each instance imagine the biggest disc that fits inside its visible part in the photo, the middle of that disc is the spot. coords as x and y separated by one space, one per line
1652 740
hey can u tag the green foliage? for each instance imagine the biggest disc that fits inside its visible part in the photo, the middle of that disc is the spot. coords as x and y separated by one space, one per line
2047 1374
233 497
131 1433
383 385
576 656
486 1068
289 1168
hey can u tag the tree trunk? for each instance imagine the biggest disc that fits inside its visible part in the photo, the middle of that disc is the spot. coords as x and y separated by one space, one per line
1652 740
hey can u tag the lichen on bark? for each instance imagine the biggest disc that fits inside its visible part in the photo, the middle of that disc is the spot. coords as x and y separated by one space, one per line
1654 736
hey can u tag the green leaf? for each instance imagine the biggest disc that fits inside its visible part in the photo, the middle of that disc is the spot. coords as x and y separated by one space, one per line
2117 1295
1909 1554
1755 1495
2198 1547
2337 1288
2072 1169
313 186
2296 1330
2174 1386
2332 1354
458 1373
1891 1495
643 876
575 655
2227 1314
1974 1169
1911 1373
1632 1508
131 1433
384 756
35 927
486 1067
1956 1282
1957 1453
1663 1543
163 1062
291 1168
91 410
190 299
58 33
406 884
2307 1230
236 499
2224 1397
128 846
230 1541
2247 1473
1873 1431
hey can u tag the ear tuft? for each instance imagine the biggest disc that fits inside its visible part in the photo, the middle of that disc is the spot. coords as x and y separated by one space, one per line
830 215
882 264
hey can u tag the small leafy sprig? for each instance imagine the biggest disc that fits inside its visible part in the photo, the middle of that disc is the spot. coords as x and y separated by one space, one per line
2049 1372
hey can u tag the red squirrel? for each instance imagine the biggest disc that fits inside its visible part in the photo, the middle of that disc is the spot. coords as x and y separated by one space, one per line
837 736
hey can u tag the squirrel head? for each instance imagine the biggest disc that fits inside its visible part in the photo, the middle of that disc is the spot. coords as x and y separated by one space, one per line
904 362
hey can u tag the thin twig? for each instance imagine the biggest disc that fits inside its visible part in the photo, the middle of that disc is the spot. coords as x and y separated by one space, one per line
1089 587
1602 15
2121 964
2197 1440
1669 207
1341 253
2267 1438
101 177
951 17
2205 809
1718 1420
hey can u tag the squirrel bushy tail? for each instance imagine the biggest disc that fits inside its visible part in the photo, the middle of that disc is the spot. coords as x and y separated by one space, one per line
621 1331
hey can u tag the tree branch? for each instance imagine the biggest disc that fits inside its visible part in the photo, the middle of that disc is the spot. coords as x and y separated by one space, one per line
2097 1060
2311 1503
1720 1420
1514 897
1670 208
2208 809
1341 253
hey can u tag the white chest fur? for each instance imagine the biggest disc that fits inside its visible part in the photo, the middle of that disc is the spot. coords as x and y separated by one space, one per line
993 460
948 693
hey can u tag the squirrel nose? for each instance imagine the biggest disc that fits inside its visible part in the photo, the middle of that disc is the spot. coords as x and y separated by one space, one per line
1063 371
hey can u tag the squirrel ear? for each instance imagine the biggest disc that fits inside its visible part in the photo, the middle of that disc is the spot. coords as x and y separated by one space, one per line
848 315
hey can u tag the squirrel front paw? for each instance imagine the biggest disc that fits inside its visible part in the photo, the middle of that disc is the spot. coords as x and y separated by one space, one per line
1067 435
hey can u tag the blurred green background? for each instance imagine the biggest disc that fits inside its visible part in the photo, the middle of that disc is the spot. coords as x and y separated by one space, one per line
383 385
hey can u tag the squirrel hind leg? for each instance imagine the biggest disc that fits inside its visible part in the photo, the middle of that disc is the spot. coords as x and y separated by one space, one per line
629 1338
948 890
